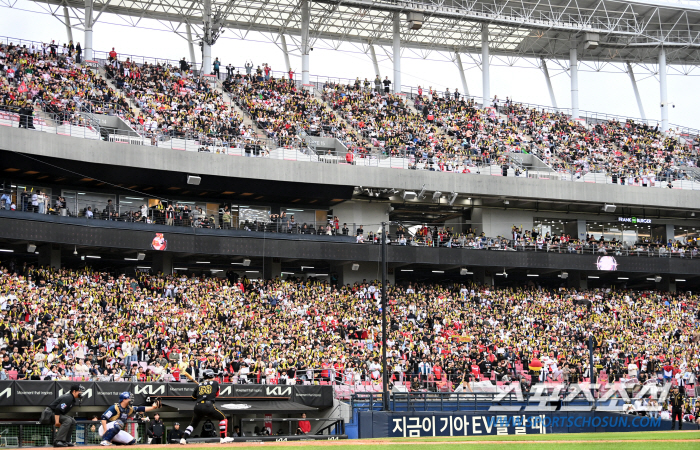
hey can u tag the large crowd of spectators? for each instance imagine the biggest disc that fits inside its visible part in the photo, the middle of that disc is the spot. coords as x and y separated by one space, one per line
176 104
283 111
81 324
51 80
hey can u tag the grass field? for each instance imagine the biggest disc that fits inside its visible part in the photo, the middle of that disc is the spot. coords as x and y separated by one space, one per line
652 440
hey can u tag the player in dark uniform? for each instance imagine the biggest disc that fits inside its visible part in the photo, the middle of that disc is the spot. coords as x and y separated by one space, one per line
205 395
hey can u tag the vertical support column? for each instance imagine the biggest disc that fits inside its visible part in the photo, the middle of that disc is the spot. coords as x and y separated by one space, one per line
66 19
271 269
552 98
283 41
162 262
460 67
50 255
396 54
485 64
573 65
630 72
663 89
305 44
373 54
88 30
190 44
206 40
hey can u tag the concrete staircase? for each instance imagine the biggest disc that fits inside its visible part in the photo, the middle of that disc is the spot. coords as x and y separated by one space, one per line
247 119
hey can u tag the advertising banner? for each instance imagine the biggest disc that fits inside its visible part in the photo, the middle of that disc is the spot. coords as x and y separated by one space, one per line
108 393
63 387
34 393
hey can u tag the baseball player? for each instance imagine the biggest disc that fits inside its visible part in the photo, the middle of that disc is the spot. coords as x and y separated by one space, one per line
204 395
114 420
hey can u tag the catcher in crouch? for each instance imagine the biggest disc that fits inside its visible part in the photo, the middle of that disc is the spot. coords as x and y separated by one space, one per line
204 395
113 420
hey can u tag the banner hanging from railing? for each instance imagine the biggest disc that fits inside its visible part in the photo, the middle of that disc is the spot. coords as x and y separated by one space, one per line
41 393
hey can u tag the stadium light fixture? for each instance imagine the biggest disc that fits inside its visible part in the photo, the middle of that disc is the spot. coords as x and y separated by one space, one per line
452 199
592 277
93 256
438 271
622 278
179 268
355 267
533 274
422 193
680 280
202 262
7 250
406 270
306 267
194 180
131 259
436 196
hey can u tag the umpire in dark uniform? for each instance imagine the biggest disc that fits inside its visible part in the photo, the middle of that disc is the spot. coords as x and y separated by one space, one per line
57 413
676 399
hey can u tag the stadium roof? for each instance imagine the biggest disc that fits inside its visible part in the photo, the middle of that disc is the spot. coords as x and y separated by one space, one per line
626 30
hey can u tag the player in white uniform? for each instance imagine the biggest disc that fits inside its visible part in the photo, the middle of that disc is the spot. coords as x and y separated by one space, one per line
114 420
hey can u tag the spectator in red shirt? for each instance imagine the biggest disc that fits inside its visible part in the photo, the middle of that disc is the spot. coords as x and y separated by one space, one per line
304 426
112 55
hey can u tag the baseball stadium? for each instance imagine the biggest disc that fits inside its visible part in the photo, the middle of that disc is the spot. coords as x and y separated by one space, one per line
453 224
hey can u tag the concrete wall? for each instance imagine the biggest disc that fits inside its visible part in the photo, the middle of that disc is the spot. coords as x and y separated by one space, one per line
113 122
326 143
368 270
499 222
371 215
34 143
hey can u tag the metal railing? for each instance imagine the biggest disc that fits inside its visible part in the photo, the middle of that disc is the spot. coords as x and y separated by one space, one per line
183 214
29 434
324 427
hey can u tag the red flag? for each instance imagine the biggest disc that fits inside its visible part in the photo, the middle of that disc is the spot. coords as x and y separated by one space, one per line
22 88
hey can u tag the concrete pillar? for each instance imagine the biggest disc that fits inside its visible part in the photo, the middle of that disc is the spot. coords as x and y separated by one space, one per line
283 41
373 55
667 284
190 44
630 72
271 269
573 65
481 276
396 54
206 40
460 67
670 232
305 44
545 71
87 52
576 280
485 64
663 89
162 262
50 255
66 19
582 229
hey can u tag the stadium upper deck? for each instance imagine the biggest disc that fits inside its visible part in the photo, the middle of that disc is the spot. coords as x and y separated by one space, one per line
602 31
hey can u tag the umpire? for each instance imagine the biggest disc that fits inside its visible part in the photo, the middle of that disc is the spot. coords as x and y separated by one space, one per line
676 400
57 413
